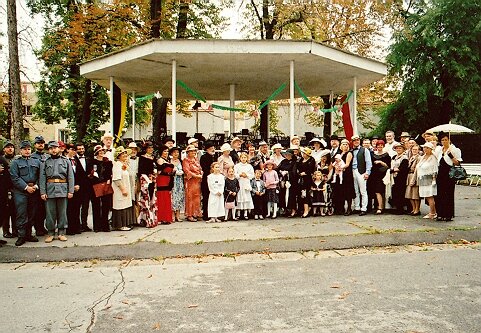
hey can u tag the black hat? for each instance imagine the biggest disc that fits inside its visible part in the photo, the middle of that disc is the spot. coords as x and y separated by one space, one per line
208 144
168 138
334 137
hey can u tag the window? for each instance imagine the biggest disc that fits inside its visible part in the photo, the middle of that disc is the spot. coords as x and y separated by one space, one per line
63 135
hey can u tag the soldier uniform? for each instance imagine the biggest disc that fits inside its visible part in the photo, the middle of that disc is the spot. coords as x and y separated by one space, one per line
56 182
24 172
39 221
7 206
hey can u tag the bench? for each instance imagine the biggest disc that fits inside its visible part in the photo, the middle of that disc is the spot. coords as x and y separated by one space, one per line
474 174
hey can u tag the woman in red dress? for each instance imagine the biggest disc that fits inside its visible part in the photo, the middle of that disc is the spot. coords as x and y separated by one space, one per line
193 178
164 182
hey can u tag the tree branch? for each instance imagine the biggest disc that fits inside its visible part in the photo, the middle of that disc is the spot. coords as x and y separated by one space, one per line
347 35
259 18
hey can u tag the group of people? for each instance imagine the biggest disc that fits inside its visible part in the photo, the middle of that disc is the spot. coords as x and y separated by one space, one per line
51 188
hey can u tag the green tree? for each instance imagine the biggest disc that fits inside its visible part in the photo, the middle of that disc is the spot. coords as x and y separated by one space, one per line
436 54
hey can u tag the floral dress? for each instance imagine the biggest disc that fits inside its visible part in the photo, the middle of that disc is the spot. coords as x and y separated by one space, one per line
178 194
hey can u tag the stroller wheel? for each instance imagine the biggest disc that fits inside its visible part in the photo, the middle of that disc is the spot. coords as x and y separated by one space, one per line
330 211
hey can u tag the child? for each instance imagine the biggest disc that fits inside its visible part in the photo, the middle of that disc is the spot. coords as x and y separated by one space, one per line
339 166
231 189
318 190
258 192
216 183
271 179
244 172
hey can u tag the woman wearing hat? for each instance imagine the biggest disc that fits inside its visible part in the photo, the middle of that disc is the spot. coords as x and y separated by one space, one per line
399 173
123 213
449 155
288 184
178 193
426 173
305 169
344 192
147 198
381 162
164 182
225 160
192 179
277 157
101 172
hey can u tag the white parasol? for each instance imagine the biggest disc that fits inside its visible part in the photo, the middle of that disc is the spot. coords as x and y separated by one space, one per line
450 128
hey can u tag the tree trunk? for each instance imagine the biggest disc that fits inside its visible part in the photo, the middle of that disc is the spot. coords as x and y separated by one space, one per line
8 128
86 111
14 73
159 118
327 116
182 22
155 16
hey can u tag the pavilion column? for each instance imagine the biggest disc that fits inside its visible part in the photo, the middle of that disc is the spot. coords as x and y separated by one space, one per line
112 105
174 100
133 116
291 100
232 105
354 106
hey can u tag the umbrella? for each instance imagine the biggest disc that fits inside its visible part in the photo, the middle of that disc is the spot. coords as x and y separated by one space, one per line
450 128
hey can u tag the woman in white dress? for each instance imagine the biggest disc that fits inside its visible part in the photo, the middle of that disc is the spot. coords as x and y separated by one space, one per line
244 172
216 183
123 214
426 172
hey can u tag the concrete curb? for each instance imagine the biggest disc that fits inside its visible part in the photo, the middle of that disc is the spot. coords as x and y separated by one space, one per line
145 249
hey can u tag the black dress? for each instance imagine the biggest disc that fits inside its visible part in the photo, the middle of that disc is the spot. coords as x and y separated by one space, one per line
378 172
345 191
305 182
102 205
291 177
398 191
445 197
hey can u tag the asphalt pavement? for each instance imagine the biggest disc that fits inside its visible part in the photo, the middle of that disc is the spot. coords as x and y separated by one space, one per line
257 236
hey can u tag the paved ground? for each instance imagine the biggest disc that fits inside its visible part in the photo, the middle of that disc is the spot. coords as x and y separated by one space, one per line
415 288
280 235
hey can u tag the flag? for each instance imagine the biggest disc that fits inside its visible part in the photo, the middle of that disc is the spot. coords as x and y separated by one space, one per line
120 109
347 114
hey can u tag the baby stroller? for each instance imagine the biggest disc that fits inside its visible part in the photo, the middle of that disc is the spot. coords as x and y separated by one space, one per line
327 206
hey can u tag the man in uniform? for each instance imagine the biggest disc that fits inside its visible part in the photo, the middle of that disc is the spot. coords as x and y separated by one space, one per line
24 172
7 210
39 219
56 186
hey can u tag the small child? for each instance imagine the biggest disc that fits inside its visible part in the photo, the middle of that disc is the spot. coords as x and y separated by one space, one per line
231 189
271 180
339 166
216 183
244 172
258 192
318 190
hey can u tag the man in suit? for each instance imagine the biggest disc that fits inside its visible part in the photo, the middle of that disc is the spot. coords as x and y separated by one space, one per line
85 191
334 146
361 169
24 172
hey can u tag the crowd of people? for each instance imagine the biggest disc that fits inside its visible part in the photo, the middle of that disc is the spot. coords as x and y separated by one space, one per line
51 188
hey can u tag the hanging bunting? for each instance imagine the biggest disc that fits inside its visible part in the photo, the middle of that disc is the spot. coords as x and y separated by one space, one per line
303 95
144 98
191 91
274 94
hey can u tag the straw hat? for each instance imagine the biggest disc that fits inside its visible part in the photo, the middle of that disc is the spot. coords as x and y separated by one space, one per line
397 144
225 147
97 149
190 148
119 151
428 145
306 150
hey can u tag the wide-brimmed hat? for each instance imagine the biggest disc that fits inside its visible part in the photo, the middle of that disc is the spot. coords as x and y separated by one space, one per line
235 139
192 140
289 151
405 135
306 150
345 141
274 165
428 145
98 148
119 151
225 147
107 135
427 133
325 152
295 137
190 148
316 140
355 137
133 145
276 146
262 143
397 144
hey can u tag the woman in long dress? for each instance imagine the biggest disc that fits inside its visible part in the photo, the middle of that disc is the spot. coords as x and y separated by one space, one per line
288 184
192 179
164 182
123 213
305 170
412 187
244 172
101 172
216 183
344 192
178 193
381 162
399 172
449 155
147 198
426 173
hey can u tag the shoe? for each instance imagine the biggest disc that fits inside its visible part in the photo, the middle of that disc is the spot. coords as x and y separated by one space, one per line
261 217
86 229
362 213
304 215
273 217
2 242
165 223
7 235
125 229
256 217
62 238
212 220
378 212
49 239
235 219
348 212
191 219
218 220
20 241
31 239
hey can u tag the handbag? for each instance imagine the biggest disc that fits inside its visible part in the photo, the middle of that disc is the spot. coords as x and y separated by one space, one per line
102 189
457 172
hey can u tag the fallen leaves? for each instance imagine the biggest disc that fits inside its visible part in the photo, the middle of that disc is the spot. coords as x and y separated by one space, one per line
343 295
156 326
190 306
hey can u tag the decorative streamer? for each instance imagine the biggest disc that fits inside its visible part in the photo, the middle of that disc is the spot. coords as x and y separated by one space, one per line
303 95
274 94
191 91
226 108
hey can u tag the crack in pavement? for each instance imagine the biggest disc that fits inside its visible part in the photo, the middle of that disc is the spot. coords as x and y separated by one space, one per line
106 297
